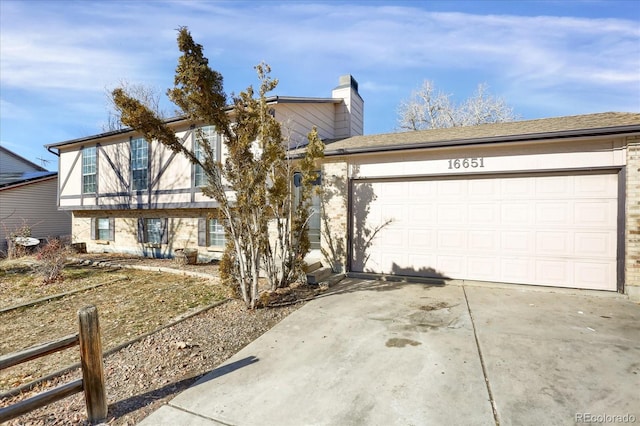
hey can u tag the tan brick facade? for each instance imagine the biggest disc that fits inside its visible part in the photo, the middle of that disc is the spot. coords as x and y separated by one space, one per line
182 227
632 233
334 214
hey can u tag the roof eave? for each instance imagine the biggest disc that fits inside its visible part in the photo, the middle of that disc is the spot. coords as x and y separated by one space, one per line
527 137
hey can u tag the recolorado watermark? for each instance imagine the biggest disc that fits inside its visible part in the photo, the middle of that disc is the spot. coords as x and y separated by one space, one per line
605 418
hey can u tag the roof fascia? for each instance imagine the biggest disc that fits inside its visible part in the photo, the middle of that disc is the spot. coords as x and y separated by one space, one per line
529 137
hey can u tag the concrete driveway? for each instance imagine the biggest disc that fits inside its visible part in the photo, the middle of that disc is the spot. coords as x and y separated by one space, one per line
381 353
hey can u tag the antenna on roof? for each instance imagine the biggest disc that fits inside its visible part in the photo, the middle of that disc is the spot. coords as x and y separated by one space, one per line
43 161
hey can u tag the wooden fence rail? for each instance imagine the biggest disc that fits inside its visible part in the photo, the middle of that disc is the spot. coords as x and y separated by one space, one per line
92 382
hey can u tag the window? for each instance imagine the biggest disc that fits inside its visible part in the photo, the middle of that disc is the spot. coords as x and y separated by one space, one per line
153 231
139 164
103 228
313 224
207 135
211 233
89 182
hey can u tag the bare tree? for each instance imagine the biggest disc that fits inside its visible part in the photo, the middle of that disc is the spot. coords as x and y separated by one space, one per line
429 108
148 95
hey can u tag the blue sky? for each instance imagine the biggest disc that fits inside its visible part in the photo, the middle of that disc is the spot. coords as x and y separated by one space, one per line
546 58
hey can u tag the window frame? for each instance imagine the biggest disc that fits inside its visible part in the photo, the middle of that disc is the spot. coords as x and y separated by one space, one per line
213 138
95 232
90 161
315 233
143 231
205 235
139 163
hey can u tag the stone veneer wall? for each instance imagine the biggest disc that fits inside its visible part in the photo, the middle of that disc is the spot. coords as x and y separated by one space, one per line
182 228
632 232
333 238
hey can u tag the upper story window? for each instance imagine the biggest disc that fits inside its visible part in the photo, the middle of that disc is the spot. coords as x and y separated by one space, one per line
204 135
89 181
139 164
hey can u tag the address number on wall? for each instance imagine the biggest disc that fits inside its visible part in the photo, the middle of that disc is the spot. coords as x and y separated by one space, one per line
466 163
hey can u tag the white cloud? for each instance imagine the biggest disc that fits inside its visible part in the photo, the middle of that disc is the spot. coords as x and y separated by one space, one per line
71 51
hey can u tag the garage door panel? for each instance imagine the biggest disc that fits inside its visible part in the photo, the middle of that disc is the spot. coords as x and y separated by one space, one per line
448 189
595 213
558 230
596 186
452 240
556 243
551 187
516 214
598 245
593 274
421 215
552 270
423 189
516 188
451 265
483 241
516 270
549 213
452 214
485 214
392 190
517 242
483 267
483 189
422 240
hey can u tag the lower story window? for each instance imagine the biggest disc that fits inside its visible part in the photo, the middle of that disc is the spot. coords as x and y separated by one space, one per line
216 233
211 233
103 228
153 231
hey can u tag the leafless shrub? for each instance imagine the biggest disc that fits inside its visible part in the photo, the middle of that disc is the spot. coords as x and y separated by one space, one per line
51 261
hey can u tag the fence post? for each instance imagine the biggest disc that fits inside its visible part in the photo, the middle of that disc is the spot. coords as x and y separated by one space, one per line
91 361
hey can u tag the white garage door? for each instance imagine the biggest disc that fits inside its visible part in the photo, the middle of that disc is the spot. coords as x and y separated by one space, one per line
556 230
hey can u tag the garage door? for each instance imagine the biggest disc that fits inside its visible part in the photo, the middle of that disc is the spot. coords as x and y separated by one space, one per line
555 230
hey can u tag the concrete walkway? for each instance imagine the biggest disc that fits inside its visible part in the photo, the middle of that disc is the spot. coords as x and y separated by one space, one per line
378 353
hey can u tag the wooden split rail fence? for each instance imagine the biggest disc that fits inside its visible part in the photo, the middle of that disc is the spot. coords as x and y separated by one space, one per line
92 382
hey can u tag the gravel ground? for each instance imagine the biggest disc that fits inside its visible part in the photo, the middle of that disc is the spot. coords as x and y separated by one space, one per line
143 376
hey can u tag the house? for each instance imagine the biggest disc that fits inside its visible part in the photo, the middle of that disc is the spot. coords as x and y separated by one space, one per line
29 197
552 202
127 195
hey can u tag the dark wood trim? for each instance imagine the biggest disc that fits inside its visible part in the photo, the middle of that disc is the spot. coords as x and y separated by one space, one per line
350 183
622 226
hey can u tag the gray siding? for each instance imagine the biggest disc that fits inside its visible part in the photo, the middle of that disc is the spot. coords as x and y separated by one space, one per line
13 163
36 205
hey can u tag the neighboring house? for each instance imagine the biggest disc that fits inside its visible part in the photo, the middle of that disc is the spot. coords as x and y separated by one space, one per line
29 196
131 196
553 202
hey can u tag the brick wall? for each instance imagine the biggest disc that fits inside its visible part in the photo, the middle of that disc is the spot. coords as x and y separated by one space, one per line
334 211
632 237
182 232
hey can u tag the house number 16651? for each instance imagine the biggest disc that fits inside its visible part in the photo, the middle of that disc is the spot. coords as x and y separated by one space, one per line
466 163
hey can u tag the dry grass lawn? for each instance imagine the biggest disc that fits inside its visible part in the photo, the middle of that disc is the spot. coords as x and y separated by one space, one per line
130 303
